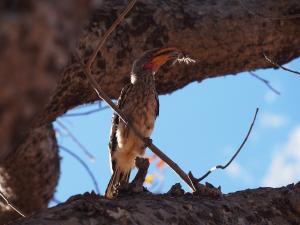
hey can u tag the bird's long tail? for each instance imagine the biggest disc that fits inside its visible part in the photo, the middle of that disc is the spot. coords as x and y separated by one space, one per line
117 177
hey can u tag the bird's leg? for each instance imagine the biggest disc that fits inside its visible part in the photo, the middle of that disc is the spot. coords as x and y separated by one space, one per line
136 186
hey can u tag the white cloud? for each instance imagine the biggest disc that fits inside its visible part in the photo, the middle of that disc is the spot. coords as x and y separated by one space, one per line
270 97
285 165
270 120
236 171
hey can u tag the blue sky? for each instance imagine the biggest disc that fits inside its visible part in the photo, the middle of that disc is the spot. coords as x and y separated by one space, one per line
200 126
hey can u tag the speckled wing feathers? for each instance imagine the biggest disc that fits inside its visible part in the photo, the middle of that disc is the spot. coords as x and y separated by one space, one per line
157 105
113 143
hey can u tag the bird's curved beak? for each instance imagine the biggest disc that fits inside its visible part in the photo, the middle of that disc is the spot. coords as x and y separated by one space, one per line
165 55
162 56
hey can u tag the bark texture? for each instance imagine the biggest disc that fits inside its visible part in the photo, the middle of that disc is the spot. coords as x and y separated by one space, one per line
36 40
263 206
222 36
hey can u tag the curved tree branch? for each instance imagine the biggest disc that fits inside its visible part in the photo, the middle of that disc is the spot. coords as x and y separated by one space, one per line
222 36
257 206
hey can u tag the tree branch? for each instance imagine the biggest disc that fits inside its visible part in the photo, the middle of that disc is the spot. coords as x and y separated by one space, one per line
195 27
266 82
280 66
77 142
85 166
223 167
257 206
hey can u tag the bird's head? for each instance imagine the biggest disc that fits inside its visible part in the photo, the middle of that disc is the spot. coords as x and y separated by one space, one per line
153 59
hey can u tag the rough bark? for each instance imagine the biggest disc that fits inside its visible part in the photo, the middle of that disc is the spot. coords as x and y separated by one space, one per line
36 38
222 36
30 175
263 206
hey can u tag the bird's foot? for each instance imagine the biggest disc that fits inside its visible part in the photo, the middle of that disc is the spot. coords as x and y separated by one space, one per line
136 186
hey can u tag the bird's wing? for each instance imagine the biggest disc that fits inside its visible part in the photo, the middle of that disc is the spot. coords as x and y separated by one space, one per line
157 105
113 143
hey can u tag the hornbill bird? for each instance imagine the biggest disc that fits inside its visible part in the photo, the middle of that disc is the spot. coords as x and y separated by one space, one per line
139 102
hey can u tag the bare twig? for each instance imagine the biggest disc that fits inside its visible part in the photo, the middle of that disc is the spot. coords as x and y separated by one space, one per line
288 17
266 82
107 33
72 136
84 165
101 94
100 108
280 66
197 180
10 205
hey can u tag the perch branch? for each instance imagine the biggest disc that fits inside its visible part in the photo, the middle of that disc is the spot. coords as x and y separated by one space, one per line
10 205
266 82
101 94
197 180
280 66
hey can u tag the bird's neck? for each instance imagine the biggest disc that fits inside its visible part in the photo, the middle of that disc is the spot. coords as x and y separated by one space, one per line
142 77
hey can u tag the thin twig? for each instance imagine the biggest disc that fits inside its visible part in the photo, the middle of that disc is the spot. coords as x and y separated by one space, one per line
107 34
72 136
197 180
101 94
83 164
266 82
280 66
10 205
101 108
288 17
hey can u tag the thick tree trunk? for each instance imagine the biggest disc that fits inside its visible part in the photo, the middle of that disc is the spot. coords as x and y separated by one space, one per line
222 36
36 38
263 206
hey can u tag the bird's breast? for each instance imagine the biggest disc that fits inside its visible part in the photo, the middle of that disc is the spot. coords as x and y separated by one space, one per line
143 109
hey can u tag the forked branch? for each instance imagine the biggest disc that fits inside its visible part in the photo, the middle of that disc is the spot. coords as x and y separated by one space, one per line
197 180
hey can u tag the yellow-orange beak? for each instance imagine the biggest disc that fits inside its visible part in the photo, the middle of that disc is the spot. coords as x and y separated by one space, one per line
162 56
